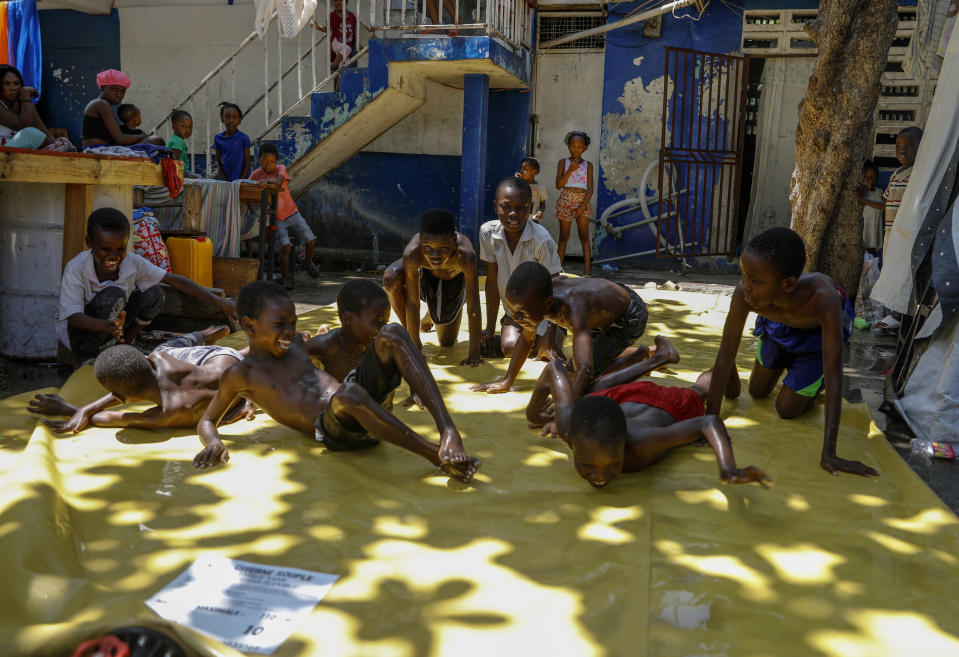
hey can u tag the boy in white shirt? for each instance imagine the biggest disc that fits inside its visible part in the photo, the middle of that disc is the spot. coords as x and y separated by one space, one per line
505 243
108 295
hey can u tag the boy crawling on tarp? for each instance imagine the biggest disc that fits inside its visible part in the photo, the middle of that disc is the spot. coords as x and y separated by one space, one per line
180 376
624 425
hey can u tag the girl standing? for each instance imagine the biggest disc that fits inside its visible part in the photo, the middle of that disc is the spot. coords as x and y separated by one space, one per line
232 146
574 176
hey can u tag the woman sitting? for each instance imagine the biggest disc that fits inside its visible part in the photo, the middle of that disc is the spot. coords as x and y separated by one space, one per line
20 124
100 126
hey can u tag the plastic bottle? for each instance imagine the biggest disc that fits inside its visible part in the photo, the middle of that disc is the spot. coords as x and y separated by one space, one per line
928 448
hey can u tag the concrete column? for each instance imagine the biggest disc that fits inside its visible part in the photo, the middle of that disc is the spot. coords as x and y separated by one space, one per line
473 162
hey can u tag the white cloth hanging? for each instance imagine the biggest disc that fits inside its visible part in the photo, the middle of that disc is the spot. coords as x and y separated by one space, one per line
292 15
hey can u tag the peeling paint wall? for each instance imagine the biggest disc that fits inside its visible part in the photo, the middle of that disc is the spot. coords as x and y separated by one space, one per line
633 109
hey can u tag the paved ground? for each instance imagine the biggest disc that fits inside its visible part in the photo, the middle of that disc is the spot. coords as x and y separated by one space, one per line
868 354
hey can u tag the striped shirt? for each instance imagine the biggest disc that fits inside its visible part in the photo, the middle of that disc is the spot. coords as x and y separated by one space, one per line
893 194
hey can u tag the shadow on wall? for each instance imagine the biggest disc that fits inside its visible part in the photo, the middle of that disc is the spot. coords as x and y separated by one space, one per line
367 209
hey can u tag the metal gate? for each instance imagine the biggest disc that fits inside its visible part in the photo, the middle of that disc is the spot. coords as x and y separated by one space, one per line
701 154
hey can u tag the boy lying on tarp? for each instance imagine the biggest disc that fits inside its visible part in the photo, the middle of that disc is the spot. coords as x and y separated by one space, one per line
180 376
367 354
624 425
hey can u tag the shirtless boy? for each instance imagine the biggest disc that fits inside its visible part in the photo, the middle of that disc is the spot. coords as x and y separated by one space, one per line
625 425
439 267
802 323
180 377
280 377
605 319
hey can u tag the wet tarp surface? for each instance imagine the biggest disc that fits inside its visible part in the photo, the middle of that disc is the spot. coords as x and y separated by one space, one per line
528 559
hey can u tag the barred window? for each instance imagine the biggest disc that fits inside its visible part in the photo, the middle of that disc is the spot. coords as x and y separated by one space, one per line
554 25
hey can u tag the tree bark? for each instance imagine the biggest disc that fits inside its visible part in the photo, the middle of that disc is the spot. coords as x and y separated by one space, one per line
836 120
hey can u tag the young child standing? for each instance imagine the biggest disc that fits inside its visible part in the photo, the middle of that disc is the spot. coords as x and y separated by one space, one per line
528 170
907 145
439 267
182 124
871 198
342 32
574 176
288 217
232 146
107 294
130 120
803 320
368 355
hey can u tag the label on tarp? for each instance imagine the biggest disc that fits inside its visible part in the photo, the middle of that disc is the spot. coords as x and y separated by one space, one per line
247 606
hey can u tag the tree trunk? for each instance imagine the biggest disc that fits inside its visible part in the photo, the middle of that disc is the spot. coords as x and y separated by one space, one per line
835 128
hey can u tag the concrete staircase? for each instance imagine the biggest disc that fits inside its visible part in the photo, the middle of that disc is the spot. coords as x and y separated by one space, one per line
371 100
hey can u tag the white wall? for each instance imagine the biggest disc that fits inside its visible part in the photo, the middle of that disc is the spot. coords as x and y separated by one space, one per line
436 128
167 49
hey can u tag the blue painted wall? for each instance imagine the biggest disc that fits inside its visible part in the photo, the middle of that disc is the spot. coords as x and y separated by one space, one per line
76 46
508 138
381 194
634 60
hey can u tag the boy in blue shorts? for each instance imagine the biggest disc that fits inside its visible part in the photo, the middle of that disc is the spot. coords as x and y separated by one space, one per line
288 217
804 318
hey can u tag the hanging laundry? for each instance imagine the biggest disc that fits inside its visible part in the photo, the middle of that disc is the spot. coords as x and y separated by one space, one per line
23 40
292 15
4 34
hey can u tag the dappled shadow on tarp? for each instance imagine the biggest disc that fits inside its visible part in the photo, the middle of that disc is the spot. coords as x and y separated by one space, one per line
668 561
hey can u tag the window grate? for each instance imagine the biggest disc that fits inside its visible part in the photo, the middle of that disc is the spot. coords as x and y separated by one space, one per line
555 27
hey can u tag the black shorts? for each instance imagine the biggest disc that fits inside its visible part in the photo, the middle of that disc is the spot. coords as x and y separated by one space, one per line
369 375
444 298
609 341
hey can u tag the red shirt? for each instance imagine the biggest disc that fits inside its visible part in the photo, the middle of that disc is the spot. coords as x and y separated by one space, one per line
285 206
336 32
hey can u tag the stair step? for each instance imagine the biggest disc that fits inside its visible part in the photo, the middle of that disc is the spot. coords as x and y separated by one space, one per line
354 83
321 102
294 126
378 67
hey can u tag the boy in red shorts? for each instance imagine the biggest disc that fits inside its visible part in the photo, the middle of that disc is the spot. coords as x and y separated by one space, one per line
624 425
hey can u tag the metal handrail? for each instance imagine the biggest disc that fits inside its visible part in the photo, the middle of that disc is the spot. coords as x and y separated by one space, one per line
509 21
329 78
222 65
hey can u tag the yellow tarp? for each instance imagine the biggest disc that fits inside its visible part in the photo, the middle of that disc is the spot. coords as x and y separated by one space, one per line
527 560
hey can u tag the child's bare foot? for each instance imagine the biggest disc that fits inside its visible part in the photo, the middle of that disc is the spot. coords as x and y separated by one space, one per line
464 470
451 447
213 333
665 350
426 323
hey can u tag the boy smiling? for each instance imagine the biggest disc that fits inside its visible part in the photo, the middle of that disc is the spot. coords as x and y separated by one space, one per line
108 294
280 377
505 243
438 267
802 322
